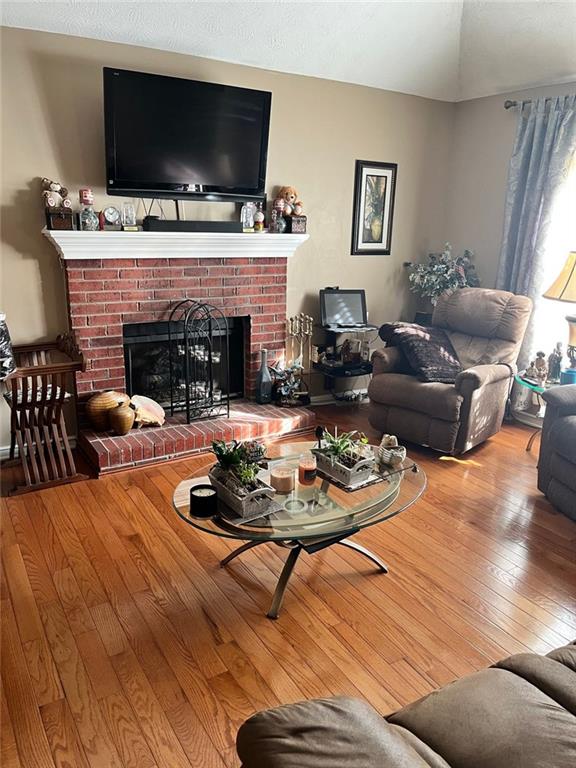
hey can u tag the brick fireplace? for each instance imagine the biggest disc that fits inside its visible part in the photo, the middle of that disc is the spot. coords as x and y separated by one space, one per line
118 278
105 294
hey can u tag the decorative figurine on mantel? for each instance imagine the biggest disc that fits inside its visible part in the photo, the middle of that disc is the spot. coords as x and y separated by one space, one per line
55 195
88 218
289 196
555 364
288 206
57 204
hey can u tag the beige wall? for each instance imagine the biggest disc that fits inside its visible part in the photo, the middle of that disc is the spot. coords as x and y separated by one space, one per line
52 125
484 134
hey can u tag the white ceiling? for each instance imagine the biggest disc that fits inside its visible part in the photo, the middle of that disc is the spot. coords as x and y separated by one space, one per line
443 50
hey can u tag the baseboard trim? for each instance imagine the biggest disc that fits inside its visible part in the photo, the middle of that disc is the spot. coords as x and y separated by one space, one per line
328 399
5 449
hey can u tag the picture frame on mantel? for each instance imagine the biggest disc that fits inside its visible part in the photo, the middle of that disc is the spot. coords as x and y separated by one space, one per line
374 193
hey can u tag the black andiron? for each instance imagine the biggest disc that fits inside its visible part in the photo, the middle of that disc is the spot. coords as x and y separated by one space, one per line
199 360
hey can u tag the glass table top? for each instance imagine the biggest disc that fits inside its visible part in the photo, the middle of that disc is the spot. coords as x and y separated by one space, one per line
315 511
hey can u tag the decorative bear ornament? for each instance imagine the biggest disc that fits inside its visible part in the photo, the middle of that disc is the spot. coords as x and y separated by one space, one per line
292 205
55 195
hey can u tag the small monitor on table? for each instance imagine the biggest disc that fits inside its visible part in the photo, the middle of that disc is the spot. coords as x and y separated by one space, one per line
343 308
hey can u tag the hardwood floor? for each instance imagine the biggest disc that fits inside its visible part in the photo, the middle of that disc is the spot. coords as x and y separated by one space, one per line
125 644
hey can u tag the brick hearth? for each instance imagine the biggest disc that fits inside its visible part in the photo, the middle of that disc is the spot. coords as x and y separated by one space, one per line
108 453
103 294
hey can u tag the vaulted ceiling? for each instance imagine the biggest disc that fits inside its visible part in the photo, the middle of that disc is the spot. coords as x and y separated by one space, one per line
442 50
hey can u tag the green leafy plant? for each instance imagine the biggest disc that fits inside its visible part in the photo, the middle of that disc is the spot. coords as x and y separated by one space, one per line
346 447
247 473
228 455
443 272
239 459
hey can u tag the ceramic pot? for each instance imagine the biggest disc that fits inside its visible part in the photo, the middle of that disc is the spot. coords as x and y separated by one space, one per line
99 406
122 419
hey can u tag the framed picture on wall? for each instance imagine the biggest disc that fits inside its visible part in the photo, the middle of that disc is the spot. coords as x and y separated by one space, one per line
374 190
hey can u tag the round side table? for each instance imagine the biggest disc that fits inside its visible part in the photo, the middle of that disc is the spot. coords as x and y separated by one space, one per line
532 417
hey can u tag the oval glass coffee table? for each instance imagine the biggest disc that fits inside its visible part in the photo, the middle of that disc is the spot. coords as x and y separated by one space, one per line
312 517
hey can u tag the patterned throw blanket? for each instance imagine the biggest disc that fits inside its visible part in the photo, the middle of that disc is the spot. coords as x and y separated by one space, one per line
429 351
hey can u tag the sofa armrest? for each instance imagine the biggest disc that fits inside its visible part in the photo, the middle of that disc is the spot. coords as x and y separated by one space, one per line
480 375
324 733
563 398
387 360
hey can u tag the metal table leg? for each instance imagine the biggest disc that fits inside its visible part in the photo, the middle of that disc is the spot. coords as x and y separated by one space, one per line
283 582
243 548
295 550
366 552
533 437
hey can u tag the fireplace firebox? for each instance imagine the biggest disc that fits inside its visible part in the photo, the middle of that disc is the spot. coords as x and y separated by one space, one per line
193 362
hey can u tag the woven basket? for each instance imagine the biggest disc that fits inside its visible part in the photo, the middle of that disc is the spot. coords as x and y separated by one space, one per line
359 473
244 506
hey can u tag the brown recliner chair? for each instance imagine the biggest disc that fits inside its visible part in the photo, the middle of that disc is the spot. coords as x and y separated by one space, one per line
486 328
521 713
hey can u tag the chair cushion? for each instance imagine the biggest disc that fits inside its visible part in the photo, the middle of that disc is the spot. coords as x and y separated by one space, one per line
328 733
480 350
563 437
484 312
494 719
432 398
554 675
428 350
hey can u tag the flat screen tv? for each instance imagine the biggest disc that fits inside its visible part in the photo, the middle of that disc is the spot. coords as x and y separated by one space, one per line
167 137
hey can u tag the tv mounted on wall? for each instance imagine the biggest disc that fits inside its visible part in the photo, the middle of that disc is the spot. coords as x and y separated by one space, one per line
167 137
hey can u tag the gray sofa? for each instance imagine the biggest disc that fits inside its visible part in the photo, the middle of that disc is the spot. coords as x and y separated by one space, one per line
486 328
557 460
521 713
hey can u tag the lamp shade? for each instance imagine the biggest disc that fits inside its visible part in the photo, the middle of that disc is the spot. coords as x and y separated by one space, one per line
564 287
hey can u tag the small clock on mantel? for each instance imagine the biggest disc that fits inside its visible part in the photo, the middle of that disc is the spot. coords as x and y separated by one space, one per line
110 219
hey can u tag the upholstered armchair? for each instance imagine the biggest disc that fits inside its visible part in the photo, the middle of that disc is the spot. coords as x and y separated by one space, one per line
557 461
486 329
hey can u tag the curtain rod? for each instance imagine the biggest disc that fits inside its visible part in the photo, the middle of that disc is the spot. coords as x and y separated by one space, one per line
511 104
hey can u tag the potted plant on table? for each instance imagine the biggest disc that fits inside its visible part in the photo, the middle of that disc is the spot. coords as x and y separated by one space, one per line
345 457
235 476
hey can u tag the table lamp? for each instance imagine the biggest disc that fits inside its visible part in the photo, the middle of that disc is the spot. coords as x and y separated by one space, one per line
564 289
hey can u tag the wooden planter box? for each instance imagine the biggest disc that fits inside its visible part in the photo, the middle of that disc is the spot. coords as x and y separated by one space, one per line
244 506
359 473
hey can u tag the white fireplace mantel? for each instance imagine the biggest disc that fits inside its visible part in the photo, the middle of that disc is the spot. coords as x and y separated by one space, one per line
173 245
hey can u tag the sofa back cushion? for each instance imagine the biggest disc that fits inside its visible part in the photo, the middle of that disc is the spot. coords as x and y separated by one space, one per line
484 325
495 719
329 733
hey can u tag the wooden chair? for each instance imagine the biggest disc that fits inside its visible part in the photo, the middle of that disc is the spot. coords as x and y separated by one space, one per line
36 392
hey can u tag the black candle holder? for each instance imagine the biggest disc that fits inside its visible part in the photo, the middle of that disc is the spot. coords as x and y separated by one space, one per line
203 501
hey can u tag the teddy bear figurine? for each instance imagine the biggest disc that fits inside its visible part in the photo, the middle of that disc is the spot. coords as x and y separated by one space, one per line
290 197
55 195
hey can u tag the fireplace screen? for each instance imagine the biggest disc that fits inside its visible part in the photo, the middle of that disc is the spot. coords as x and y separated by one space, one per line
193 362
